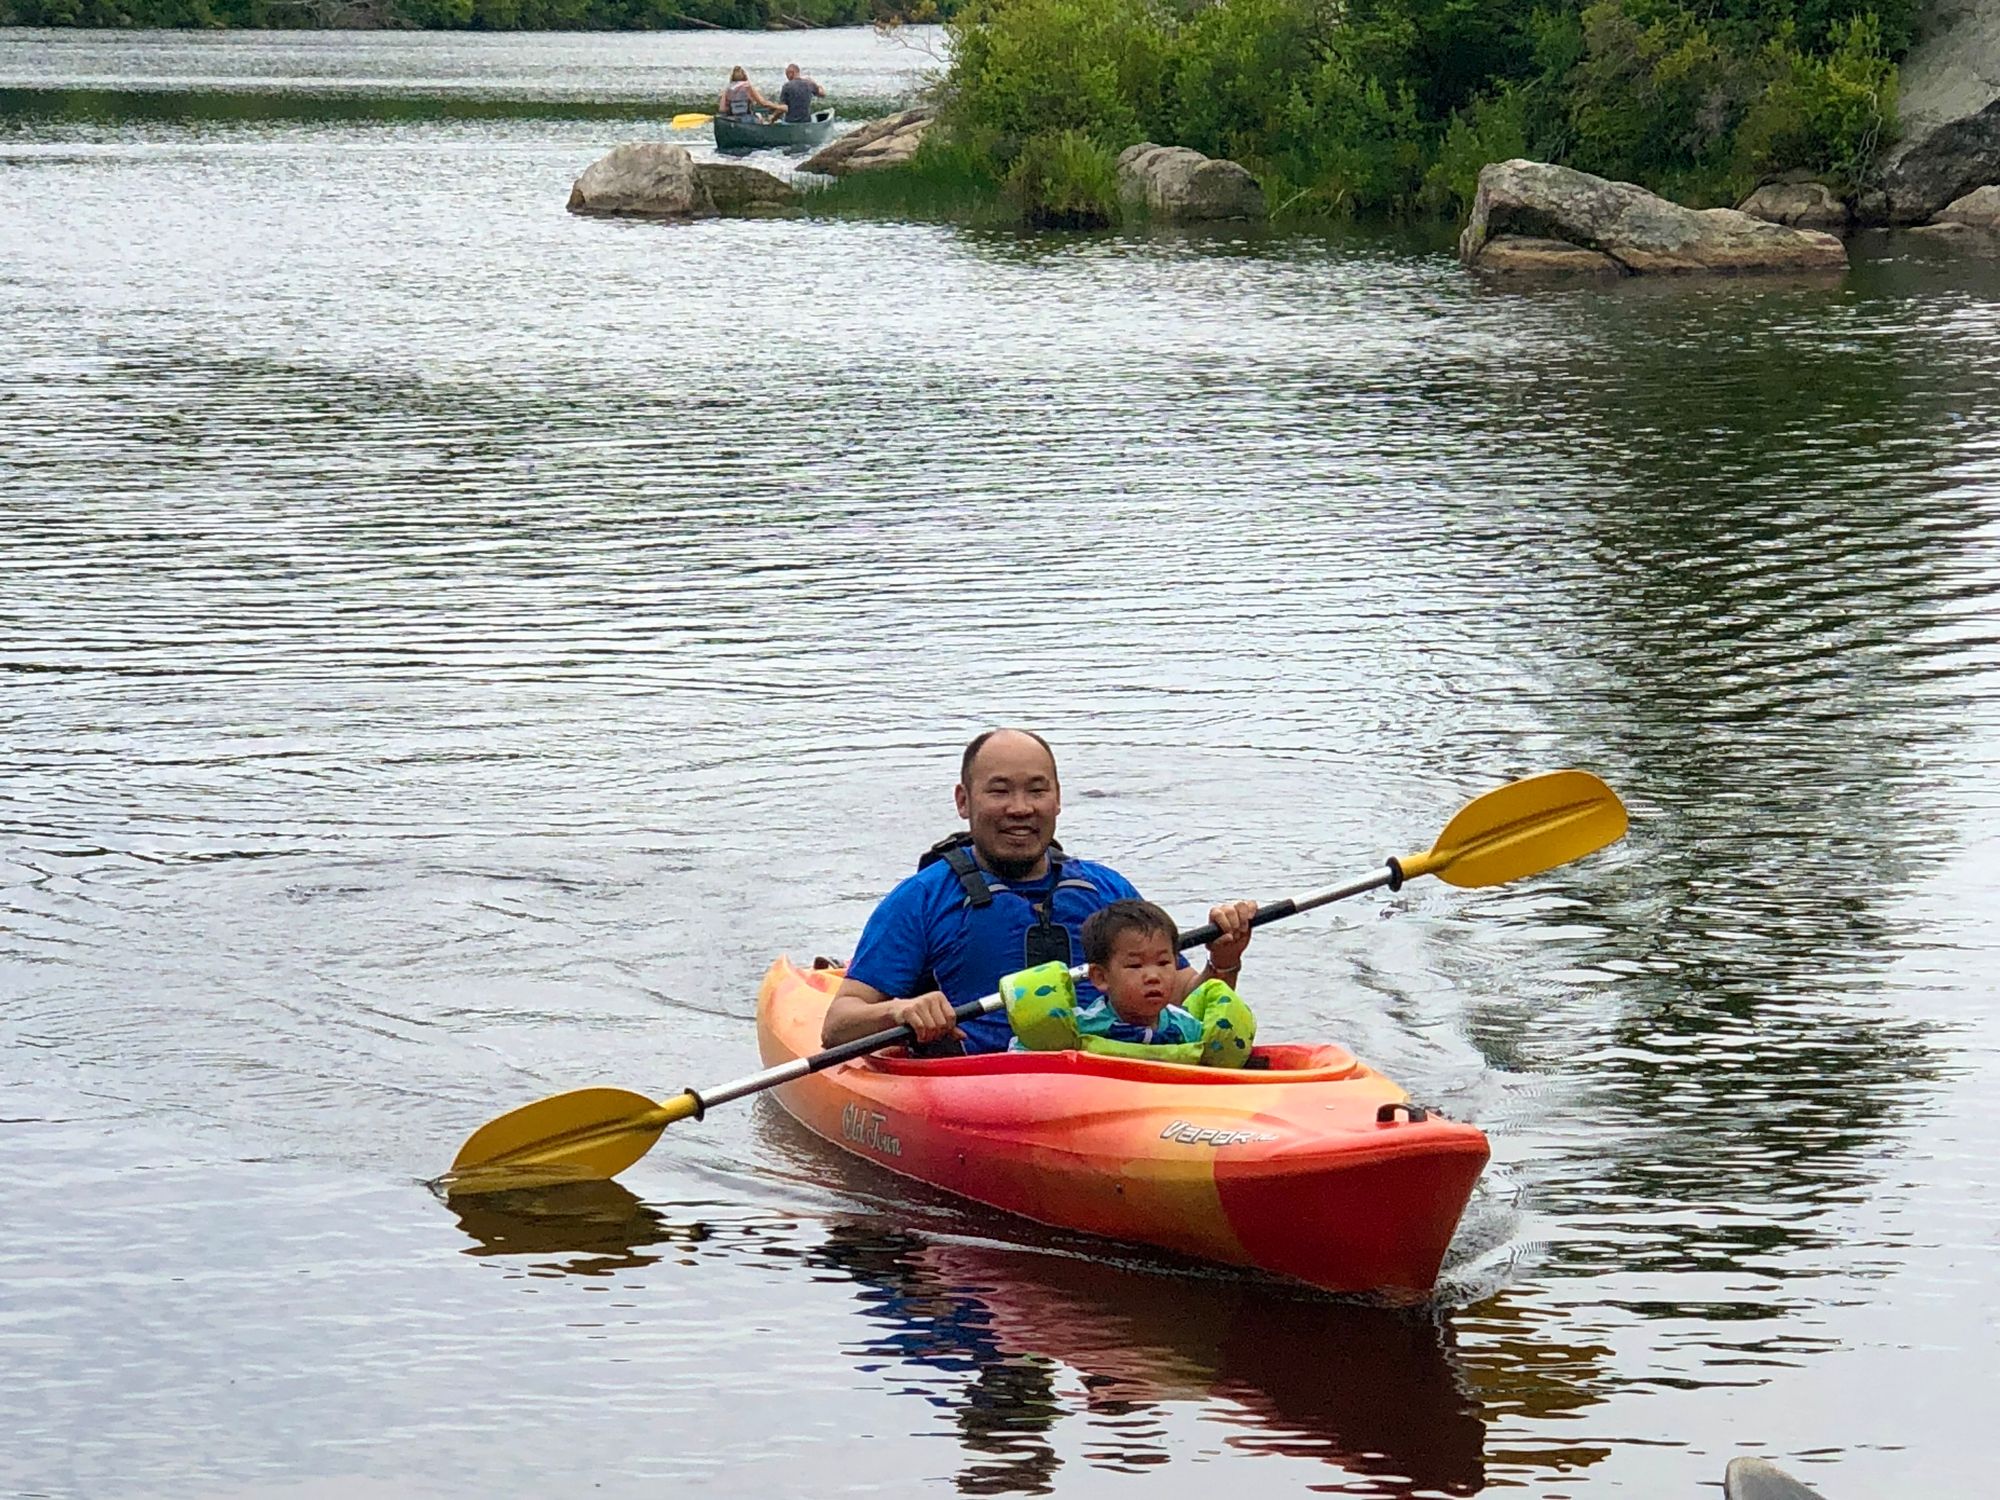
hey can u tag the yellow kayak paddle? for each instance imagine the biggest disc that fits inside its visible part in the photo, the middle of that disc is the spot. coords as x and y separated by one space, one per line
1513 831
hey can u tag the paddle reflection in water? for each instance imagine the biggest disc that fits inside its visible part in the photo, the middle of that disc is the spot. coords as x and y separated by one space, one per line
601 1223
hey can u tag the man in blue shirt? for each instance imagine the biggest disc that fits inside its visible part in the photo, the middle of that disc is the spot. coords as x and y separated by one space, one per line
950 932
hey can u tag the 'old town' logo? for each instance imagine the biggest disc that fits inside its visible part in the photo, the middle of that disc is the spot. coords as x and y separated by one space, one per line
864 1128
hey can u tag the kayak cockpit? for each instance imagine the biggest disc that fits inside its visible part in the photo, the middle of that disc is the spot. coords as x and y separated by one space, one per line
1283 1062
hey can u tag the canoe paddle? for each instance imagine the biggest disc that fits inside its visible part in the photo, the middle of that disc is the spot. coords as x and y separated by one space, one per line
689 121
1513 831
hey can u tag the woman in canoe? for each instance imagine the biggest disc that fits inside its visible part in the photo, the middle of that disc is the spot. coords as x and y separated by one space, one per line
741 101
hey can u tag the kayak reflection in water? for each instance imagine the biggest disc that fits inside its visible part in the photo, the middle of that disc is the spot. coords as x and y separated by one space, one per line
1372 1391
1001 897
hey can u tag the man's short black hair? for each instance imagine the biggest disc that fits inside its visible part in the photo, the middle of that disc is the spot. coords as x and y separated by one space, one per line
1105 926
979 743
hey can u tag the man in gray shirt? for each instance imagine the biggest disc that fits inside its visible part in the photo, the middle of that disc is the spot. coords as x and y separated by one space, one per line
797 95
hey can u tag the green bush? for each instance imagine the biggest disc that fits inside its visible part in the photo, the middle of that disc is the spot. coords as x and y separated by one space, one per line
1828 115
1022 68
1064 179
1496 128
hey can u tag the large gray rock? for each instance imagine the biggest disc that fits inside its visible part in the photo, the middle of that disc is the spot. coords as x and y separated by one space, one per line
738 191
642 179
1643 232
887 142
1800 202
1948 106
1954 68
1176 183
1923 173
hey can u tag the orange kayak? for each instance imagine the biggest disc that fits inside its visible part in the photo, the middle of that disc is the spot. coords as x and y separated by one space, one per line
1312 1166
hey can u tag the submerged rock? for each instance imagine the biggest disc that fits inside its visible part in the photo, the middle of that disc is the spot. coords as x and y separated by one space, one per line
887 142
1523 255
642 179
746 192
1758 1479
1800 202
1644 233
1174 182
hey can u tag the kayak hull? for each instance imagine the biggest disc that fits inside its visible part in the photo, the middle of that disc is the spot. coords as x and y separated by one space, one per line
1316 1169
755 135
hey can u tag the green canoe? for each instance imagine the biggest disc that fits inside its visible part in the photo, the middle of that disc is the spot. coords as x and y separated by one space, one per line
751 135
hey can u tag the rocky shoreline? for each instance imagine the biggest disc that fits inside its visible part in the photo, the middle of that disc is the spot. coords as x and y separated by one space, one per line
1528 219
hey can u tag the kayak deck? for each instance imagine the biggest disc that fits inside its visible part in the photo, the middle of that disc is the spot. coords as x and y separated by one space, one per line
1313 1167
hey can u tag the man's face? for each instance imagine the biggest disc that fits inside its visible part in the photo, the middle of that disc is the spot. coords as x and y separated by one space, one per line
1011 800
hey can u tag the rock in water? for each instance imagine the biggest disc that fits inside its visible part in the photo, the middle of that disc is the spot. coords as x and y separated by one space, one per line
1754 1479
1641 231
748 192
1979 209
642 179
1800 202
887 142
1176 183
1521 255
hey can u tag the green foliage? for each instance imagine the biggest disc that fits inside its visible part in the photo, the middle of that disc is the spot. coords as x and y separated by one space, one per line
1348 106
1826 114
1022 68
1063 179
1496 127
948 179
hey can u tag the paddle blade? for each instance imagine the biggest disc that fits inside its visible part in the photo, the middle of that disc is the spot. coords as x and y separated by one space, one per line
688 122
578 1136
1523 828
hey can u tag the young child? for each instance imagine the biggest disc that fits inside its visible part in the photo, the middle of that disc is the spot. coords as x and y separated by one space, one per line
1131 949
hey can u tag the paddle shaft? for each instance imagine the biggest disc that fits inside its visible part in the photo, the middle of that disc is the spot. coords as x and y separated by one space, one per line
895 1036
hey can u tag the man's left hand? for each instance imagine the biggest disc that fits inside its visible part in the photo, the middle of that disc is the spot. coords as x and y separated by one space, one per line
1232 918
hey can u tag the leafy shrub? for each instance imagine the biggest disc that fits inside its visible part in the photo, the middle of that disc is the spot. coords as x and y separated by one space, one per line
1063 179
1495 128
1826 114
1022 68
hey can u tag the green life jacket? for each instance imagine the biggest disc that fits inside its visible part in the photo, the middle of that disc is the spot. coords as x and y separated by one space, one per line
1041 1007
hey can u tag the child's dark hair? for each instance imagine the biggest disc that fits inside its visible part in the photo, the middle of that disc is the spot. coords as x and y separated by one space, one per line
1103 928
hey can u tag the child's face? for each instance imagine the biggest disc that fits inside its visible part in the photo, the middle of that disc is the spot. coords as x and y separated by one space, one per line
1140 978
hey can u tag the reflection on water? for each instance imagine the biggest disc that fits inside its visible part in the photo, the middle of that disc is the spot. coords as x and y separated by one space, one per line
448 647
1013 1344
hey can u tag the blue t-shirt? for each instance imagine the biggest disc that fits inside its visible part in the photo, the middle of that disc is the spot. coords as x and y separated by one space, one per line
925 926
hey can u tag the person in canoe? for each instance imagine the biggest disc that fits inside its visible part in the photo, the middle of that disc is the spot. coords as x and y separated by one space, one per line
740 100
1001 897
1133 949
797 94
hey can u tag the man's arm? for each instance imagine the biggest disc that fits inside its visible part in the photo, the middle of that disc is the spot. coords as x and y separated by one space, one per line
860 1010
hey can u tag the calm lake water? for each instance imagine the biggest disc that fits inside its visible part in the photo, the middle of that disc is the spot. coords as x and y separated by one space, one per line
448 648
